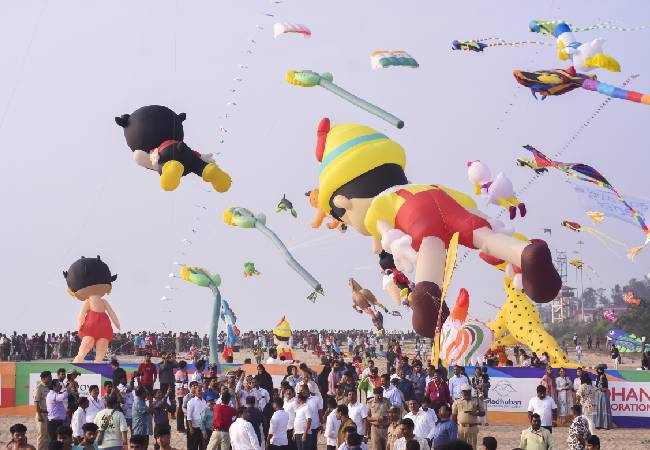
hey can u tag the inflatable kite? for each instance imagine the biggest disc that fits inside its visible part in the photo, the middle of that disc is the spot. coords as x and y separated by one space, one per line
631 300
557 82
232 332
320 214
89 280
478 45
576 263
155 136
602 237
625 342
286 205
596 216
587 173
282 28
244 218
518 322
282 340
610 315
382 59
464 342
395 283
363 300
362 182
250 270
525 162
497 191
584 57
307 78
548 27
201 277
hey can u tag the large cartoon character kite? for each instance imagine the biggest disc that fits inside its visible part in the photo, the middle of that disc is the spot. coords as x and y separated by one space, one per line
155 136
89 280
362 183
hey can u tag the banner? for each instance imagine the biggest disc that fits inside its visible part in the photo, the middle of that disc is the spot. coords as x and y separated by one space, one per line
511 388
593 198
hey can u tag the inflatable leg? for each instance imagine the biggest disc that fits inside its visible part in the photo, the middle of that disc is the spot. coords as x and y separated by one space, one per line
86 345
101 346
220 180
170 176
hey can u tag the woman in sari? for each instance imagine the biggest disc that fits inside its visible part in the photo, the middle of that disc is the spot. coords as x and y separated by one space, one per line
603 416
564 387
548 381
586 397
579 429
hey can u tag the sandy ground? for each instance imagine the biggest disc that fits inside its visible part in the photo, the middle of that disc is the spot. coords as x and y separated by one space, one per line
506 435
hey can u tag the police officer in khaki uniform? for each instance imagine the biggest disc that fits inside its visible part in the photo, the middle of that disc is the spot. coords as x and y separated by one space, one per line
466 412
378 407
42 388
394 431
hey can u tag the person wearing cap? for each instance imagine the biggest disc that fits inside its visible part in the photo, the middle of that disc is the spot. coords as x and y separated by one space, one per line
40 395
362 182
394 430
207 418
378 419
466 412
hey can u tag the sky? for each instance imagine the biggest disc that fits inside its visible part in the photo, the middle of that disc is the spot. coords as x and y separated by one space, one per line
70 187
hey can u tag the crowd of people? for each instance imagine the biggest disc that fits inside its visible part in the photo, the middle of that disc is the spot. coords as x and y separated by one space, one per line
349 404
24 347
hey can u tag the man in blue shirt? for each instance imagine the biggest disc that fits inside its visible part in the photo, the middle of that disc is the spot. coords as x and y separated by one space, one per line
446 430
405 385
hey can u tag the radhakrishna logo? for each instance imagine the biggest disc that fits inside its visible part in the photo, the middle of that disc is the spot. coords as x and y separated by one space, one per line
503 388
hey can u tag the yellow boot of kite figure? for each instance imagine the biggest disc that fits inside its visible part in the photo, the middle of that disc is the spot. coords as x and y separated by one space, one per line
518 322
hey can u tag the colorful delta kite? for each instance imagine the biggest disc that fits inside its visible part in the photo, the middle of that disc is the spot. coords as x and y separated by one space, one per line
286 205
557 82
282 28
602 237
631 300
530 163
587 173
307 78
202 277
250 270
478 45
464 341
584 57
244 218
498 191
392 58
610 315
624 341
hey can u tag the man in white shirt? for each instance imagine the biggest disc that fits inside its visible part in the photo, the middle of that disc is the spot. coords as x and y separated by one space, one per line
302 423
278 426
456 382
242 434
544 406
358 412
391 392
424 420
407 426
262 397
126 391
194 409
79 418
332 425
315 404
290 406
244 389
95 403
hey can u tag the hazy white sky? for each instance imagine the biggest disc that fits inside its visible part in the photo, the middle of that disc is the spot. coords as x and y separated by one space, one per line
70 187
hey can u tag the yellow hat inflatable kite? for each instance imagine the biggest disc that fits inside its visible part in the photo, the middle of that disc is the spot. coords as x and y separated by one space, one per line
347 151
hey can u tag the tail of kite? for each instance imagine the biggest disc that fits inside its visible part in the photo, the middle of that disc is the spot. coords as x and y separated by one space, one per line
615 92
